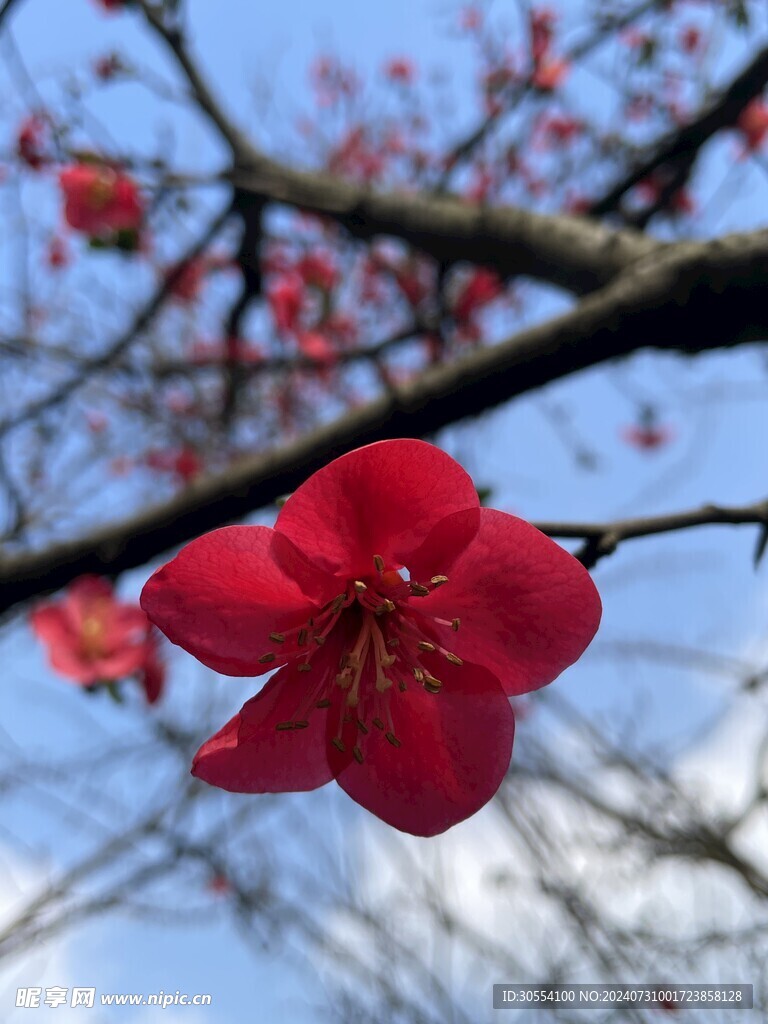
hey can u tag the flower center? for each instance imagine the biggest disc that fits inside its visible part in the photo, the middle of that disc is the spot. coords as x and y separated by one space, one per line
383 654
92 636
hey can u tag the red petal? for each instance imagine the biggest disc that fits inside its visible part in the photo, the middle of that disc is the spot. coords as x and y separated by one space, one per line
379 500
123 661
250 755
454 751
52 625
528 609
224 593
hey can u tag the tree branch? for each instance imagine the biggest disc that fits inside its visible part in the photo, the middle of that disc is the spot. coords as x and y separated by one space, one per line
681 146
698 296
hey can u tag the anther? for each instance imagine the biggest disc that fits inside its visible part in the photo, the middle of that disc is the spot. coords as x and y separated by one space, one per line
394 642
266 658
362 727
432 685
418 590
338 602
438 581
425 645
401 686
390 736
304 667
357 754
319 640
378 723
360 587
279 638
378 561
282 726
324 703
302 724
338 744
455 625
418 675
454 660
302 637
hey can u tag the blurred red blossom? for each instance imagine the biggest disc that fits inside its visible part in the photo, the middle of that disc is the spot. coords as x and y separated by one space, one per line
752 123
31 141
400 69
57 255
94 639
100 200
183 462
394 684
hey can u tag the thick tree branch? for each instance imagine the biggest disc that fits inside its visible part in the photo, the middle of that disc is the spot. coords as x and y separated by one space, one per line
698 296
571 252
567 251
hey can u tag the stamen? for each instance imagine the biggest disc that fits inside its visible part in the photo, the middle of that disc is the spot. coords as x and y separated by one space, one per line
454 660
360 587
282 726
425 645
339 744
357 754
418 590
390 736
378 723
266 658
305 666
279 638
302 638
455 625
362 726
324 703
438 581
302 724
432 685
378 561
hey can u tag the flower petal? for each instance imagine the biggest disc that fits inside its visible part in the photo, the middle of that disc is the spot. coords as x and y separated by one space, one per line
382 499
250 755
225 592
454 751
528 608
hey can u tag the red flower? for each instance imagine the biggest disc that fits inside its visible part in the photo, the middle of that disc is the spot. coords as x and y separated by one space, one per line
31 142
377 687
753 124
399 69
470 19
286 301
314 345
480 288
648 437
58 254
542 29
550 74
93 639
318 270
100 200
183 462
